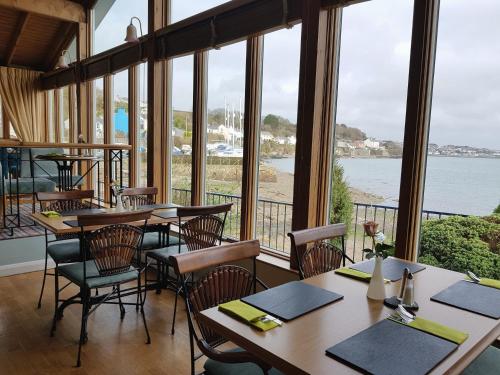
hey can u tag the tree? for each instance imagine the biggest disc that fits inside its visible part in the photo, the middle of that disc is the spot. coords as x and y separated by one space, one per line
497 210
341 205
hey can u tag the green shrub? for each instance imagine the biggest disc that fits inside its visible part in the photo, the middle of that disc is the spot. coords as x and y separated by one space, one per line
497 210
341 206
461 244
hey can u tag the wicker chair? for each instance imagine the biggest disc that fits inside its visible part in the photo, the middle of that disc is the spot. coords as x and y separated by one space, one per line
157 236
316 256
108 253
65 248
204 230
211 291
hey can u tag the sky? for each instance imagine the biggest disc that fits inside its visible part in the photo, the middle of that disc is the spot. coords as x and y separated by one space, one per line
373 72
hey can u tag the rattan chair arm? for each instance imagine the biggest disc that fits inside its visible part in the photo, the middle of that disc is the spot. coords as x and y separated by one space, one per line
231 357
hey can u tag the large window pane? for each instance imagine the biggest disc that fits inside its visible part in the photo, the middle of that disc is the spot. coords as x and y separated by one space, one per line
373 82
463 164
65 113
111 18
182 9
278 137
182 127
226 98
98 111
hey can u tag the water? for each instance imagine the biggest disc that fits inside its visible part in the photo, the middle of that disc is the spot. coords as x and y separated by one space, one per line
456 185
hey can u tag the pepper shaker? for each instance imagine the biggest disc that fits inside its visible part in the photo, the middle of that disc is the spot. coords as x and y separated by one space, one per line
408 295
403 283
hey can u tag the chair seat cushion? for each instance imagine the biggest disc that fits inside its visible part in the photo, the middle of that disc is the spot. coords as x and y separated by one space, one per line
220 368
164 254
64 251
74 273
152 241
488 363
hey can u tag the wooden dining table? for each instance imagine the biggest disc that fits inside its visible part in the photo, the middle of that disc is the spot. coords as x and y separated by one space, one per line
298 346
57 225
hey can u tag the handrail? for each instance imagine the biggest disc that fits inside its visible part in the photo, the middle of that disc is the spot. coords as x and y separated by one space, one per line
85 146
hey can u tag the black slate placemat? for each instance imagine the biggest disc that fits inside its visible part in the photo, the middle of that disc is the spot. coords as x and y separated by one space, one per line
291 300
390 348
392 269
158 206
71 223
166 214
85 211
472 297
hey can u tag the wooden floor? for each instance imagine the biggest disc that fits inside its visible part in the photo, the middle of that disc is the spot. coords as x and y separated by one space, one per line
114 346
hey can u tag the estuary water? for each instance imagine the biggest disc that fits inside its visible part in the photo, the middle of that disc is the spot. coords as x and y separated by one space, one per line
453 184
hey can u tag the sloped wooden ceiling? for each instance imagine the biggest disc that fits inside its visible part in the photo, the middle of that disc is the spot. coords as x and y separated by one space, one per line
31 39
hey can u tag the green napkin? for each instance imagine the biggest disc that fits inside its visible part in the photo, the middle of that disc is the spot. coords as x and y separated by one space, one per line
492 283
247 314
436 329
51 214
355 274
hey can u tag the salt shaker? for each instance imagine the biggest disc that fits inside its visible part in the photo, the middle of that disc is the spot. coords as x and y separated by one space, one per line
408 295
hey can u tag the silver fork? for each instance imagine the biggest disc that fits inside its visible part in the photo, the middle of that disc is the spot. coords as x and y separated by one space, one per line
473 277
403 315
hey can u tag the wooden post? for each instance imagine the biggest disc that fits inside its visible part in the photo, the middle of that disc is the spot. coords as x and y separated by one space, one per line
133 119
156 120
108 122
58 115
418 110
318 61
253 95
199 132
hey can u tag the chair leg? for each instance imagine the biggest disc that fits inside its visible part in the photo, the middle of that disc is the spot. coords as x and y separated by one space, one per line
175 307
56 293
83 327
43 282
142 300
159 266
122 308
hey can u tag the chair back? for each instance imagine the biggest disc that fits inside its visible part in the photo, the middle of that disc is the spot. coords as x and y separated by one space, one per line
113 246
222 284
140 196
65 201
206 227
314 254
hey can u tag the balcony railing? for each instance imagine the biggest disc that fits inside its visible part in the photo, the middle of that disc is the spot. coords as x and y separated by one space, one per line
274 221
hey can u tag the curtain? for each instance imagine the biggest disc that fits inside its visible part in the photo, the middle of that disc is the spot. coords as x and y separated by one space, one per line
24 102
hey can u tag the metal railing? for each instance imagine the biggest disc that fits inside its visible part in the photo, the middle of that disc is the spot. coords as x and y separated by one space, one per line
274 221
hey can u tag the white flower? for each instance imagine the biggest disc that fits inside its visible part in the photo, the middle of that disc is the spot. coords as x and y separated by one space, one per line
379 237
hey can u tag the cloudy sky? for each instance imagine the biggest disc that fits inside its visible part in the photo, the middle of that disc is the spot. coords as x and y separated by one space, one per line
373 68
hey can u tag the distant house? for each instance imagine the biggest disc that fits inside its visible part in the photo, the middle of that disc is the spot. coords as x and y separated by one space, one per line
281 140
372 143
266 136
121 120
176 132
213 129
292 140
358 144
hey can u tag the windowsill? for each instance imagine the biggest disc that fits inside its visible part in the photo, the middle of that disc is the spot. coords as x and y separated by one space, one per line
275 261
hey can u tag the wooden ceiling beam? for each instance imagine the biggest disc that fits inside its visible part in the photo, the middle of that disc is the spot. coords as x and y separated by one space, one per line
62 9
21 25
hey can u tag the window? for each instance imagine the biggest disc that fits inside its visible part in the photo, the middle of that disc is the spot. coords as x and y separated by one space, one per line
65 128
182 9
226 99
142 128
120 118
182 127
463 160
111 18
98 111
278 137
371 108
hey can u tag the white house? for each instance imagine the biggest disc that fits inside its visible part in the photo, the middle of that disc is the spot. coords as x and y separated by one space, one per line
266 136
372 143
291 140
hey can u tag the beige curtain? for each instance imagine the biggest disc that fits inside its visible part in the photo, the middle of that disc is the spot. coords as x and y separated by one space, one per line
24 103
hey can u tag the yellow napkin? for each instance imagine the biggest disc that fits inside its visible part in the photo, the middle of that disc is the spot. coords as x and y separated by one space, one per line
355 274
492 283
436 329
247 314
51 214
